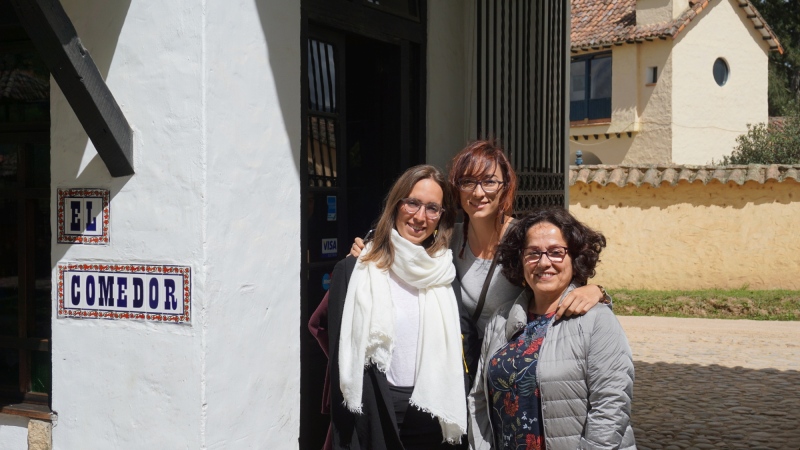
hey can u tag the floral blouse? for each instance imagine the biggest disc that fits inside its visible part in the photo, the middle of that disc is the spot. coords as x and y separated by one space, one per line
514 390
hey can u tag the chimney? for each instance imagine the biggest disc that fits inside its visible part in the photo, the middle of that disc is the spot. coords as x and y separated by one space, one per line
649 12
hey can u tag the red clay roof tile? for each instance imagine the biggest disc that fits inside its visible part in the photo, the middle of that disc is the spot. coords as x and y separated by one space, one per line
602 23
670 175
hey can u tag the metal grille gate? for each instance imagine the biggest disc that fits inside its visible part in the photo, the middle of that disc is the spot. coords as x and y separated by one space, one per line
522 71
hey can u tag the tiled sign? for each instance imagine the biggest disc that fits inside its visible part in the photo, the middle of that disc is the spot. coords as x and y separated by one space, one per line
125 291
83 216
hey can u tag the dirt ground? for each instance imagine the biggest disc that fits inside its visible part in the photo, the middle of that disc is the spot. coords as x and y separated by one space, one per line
711 383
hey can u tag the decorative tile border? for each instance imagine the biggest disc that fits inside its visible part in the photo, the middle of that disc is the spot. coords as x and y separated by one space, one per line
65 238
149 292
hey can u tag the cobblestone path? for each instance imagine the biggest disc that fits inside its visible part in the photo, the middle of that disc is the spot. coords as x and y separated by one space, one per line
715 384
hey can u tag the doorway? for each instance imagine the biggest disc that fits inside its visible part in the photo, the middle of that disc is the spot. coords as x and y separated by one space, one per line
363 126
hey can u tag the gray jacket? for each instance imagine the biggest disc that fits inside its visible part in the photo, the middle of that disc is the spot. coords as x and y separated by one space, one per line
585 374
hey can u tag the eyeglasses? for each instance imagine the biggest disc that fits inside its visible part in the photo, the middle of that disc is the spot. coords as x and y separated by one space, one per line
412 206
489 186
555 255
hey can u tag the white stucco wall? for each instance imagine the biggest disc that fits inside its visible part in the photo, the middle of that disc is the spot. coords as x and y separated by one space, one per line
252 240
212 92
708 117
13 432
449 43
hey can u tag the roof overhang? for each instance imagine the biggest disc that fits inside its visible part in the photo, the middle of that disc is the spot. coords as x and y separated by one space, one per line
59 46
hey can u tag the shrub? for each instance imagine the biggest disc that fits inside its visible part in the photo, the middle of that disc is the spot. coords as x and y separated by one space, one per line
776 143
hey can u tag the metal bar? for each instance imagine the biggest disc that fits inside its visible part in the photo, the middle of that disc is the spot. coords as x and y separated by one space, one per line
494 70
566 21
479 68
317 77
524 160
540 75
312 79
324 147
546 93
501 132
332 77
517 97
323 77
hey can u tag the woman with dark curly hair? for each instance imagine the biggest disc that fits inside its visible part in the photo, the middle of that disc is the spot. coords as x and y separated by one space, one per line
545 383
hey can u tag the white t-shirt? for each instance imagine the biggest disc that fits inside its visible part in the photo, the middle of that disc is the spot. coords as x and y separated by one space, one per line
405 298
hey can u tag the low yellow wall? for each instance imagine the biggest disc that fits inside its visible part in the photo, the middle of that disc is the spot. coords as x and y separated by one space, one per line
695 236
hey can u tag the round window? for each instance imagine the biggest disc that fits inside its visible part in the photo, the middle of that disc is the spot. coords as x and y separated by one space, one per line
721 71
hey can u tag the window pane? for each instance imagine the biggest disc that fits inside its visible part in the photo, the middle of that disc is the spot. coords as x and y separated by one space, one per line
41 378
9 291
24 87
720 71
9 369
601 77
577 83
321 76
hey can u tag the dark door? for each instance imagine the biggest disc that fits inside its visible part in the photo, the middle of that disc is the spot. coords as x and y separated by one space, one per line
363 128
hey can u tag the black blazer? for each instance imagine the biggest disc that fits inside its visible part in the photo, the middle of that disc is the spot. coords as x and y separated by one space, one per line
376 428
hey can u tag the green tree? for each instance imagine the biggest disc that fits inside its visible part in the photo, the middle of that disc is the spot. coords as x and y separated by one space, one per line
783 16
776 143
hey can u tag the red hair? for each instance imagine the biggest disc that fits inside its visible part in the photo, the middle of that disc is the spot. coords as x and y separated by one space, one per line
479 159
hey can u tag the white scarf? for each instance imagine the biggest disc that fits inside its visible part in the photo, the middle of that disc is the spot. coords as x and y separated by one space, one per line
367 334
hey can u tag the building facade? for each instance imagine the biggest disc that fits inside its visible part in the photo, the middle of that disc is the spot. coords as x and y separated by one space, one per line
666 81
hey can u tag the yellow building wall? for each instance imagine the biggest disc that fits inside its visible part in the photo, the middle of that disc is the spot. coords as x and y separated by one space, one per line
708 117
694 236
652 144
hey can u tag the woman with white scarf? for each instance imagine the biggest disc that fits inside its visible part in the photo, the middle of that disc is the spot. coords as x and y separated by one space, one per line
397 374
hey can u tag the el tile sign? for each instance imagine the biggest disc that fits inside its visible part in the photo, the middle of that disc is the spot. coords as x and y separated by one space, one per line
83 216
125 291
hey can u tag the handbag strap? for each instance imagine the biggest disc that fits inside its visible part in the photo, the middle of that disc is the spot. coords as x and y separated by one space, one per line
482 299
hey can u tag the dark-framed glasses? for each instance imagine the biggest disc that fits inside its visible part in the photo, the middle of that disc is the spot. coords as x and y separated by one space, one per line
489 186
412 206
554 254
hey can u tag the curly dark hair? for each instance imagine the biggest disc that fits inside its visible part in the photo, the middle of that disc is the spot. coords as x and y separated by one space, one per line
584 244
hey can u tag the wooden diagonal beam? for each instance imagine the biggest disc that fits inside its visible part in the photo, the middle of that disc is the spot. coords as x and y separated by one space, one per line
58 44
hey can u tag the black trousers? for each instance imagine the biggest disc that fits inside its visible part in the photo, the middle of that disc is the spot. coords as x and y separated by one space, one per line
418 430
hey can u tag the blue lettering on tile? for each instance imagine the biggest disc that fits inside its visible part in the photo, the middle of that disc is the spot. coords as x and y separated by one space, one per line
122 297
106 291
138 292
153 297
90 290
169 299
75 223
76 292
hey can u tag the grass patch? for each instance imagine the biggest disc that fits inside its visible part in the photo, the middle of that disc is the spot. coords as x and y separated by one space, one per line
710 304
